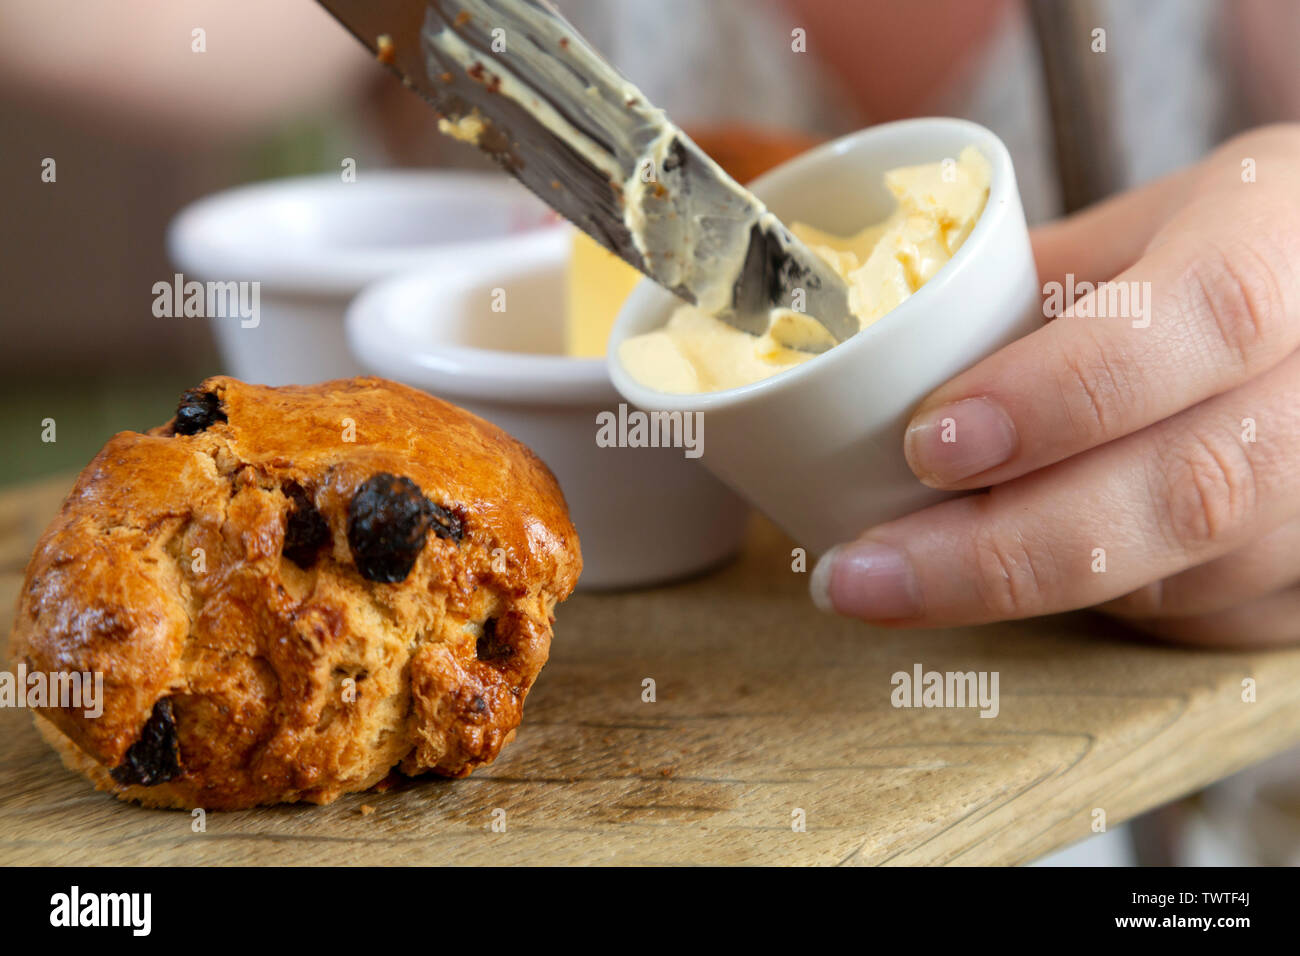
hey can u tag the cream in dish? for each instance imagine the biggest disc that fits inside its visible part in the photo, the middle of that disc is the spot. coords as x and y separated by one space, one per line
938 205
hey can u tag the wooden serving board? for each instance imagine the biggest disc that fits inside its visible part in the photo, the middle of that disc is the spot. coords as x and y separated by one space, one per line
765 709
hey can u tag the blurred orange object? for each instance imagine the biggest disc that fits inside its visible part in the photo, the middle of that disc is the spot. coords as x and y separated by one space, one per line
746 152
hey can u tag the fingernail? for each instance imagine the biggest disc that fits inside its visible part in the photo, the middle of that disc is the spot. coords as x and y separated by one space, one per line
955 441
820 582
866 579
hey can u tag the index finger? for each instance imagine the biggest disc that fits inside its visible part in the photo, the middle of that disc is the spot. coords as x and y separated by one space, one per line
1213 303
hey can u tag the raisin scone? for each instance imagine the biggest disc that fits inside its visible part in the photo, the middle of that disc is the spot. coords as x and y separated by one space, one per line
292 591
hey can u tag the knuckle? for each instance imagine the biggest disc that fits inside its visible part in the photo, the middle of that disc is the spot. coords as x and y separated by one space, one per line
1094 390
1147 601
1010 577
1208 489
1240 293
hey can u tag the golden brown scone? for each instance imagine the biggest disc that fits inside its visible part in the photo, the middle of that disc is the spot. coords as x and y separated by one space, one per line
290 591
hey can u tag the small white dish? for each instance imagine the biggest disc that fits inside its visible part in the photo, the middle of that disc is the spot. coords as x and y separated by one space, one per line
312 243
819 448
644 515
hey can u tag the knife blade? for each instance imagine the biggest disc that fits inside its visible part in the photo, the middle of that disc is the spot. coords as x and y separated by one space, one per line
515 79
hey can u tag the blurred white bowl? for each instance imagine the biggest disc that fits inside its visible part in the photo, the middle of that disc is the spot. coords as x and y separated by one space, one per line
643 515
819 448
314 242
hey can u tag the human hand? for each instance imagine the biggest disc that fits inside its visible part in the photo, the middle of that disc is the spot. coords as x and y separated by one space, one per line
1146 463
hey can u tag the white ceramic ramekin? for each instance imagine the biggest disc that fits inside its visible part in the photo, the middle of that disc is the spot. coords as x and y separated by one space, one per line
312 243
819 448
644 515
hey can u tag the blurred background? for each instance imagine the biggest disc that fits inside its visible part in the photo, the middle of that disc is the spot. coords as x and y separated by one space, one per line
140 122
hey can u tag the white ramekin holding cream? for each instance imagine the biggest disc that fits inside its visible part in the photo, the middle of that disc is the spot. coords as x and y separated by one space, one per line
818 447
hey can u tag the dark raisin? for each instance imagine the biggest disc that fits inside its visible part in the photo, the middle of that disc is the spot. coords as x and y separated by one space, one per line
388 520
446 524
155 757
306 531
198 410
489 646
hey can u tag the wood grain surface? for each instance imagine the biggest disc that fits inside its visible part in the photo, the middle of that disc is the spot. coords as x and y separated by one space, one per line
764 708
